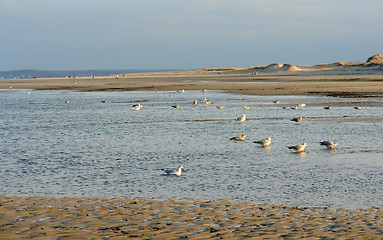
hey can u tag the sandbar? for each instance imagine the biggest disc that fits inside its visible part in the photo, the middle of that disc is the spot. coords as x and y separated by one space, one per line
263 84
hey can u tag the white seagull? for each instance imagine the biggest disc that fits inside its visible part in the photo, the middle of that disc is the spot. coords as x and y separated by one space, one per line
173 171
299 148
266 142
137 107
329 144
241 118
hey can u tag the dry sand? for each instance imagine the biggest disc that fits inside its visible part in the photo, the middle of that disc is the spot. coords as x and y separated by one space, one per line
263 84
99 218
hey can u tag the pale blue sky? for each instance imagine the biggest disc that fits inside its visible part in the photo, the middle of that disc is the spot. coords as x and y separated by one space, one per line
185 34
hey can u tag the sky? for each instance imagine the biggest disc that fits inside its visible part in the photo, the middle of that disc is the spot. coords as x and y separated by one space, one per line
185 34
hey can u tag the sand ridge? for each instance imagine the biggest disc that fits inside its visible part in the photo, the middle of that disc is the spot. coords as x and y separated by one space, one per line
117 218
335 85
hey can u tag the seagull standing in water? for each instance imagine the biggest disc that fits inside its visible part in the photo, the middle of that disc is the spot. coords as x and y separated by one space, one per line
266 142
329 144
241 118
299 148
173 171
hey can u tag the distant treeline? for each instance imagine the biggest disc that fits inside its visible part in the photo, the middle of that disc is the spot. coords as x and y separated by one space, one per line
20 74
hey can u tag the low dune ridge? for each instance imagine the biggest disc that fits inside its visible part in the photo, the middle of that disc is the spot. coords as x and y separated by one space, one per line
276 67
290 68
330 65
272 66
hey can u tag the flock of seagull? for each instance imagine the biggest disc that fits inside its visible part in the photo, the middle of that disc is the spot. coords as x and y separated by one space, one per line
330 145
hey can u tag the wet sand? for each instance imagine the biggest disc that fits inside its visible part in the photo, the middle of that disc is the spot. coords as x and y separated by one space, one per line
99 218
264 84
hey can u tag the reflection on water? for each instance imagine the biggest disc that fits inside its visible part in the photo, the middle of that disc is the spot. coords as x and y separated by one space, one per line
89 148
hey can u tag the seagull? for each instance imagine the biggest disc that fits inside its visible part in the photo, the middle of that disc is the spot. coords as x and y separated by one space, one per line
173 171
302 105
220 107
239 138
358 107
266 142
294 108
299 148
276 102
329 144
298 119
195 102
242 118
246 107
137 107
104 101
328 107
176 106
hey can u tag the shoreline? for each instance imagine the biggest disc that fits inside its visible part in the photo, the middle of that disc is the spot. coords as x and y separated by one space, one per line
84 218
45 217
332 85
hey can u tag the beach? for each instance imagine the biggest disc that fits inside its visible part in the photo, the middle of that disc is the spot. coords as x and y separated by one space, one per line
125 218
117 218
267 84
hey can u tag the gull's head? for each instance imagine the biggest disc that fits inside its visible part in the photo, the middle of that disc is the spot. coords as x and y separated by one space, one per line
181 167
269 138
305 143
243 135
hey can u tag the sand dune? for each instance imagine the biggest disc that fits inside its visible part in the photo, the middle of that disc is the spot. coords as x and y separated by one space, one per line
377 58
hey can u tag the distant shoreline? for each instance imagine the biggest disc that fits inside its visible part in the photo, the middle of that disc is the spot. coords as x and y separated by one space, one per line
243 83
334 79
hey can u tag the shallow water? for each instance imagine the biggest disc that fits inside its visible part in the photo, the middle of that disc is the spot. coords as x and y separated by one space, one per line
94 149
